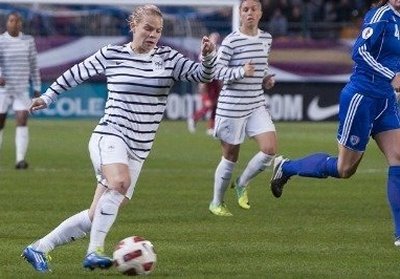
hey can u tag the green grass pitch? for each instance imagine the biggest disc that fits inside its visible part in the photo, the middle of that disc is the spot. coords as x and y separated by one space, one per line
324 228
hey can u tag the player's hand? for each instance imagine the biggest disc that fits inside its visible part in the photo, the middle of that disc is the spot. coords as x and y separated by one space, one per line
2 81
36 94
207 46
396 82
37 104
249 69
269 81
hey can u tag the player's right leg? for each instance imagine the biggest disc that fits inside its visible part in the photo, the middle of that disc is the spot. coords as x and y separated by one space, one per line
355 121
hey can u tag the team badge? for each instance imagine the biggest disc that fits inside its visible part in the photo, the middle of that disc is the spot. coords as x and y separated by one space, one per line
367 33
158 64
354 140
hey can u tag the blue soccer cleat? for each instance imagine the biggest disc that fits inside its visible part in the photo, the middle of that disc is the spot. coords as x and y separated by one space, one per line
97 260
37 259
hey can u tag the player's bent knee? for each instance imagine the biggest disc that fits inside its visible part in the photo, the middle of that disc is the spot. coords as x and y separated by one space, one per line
346 173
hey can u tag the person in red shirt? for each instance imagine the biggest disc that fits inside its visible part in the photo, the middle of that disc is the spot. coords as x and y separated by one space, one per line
209 97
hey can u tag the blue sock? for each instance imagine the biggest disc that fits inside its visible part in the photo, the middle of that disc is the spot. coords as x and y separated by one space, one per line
320 165
393 192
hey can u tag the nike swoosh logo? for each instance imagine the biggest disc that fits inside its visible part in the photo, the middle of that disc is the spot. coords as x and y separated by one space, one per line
104 213
315 112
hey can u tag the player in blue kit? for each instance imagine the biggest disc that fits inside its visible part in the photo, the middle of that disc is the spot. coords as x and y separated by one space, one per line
367 108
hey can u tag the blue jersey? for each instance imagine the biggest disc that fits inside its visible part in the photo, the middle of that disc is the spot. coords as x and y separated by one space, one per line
376 53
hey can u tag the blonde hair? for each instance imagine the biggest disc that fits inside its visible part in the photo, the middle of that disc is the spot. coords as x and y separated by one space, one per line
140 12
242 1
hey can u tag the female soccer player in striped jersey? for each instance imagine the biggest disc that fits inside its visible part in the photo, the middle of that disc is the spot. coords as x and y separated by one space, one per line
139 78
241 110
18 67
367 108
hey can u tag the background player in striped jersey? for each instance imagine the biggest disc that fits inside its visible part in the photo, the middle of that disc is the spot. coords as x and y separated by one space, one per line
367 108
18 66
139 77
241 110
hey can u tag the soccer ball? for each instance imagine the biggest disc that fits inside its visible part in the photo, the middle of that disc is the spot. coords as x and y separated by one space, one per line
135 256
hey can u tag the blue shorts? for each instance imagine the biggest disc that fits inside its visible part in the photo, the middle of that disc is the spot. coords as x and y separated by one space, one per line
361 117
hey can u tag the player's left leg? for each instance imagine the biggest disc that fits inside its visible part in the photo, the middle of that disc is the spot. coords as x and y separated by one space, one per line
356 117
388 142
121 172
21 138
260 127
386 133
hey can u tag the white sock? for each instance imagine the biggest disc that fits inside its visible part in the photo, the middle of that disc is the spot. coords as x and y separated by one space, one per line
73 228
222 177
104 216
21 142
257 164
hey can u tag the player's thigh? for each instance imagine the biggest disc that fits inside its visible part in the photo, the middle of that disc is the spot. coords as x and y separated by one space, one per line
259 122
386 132
357 114
388 142
110 152
230 130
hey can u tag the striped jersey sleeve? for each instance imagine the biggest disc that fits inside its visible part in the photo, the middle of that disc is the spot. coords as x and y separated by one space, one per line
138 86
91 66
241 95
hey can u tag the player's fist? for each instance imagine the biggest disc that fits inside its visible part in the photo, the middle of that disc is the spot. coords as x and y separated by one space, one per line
249 69
37 104
269 81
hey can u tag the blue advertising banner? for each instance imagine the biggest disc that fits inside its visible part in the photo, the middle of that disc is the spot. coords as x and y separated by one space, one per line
88 100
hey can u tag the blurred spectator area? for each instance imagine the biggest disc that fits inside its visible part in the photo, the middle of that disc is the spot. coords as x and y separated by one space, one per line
309 19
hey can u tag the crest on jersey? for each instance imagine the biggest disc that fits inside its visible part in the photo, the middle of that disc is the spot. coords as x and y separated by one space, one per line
367 33
354 140
158 64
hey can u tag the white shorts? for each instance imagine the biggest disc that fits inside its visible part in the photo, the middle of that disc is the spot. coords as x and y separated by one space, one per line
18 102
234 130
105 150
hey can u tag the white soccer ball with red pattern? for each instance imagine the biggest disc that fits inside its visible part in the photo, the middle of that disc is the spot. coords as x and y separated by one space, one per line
135 255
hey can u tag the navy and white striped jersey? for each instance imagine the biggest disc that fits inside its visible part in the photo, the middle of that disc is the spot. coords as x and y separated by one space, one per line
241 95
18 63
138 86
376 52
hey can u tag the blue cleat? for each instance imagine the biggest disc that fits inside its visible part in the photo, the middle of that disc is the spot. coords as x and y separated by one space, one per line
97 259
38 260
